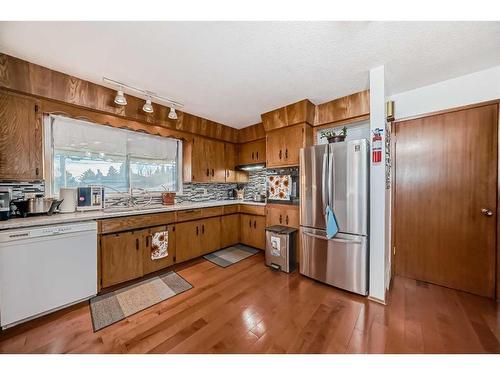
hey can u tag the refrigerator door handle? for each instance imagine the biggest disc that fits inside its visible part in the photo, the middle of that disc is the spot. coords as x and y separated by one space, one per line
324 182
335 239
331 176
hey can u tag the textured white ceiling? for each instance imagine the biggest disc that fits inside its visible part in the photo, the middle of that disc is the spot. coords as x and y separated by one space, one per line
231 72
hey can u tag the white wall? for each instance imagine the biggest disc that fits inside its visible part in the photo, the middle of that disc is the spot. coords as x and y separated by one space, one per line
378 196
468 89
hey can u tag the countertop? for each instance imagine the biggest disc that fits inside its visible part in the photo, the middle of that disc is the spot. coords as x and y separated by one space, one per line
60 218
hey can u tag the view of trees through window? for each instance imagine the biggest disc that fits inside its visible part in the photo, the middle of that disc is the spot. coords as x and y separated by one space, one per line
73 170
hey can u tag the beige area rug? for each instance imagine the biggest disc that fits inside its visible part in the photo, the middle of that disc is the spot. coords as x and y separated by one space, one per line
114 306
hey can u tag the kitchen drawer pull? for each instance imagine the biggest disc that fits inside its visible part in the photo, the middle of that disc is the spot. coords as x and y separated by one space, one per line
189 211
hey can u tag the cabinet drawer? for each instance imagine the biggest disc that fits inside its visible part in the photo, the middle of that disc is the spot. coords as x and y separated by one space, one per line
253 210
233 209
189 215
212 211
134 222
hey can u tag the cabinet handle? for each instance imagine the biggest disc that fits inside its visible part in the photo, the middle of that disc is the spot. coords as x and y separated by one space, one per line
280 219
286 221
147 241
255 224
257 155
286 153
208 172
196 230
37 171
250 223
212 172
280 154
137 244
252 155
202 228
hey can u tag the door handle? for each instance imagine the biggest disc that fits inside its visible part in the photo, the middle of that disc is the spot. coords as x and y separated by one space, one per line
331 239
486 212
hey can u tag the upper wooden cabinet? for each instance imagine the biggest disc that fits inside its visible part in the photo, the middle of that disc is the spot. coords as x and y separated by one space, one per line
20 138
292 114
207 160
253 152
283 145
231 160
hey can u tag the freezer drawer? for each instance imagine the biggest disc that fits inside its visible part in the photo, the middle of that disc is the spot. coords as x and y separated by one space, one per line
341 261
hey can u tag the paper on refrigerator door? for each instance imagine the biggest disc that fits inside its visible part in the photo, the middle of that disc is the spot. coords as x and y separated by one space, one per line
275 246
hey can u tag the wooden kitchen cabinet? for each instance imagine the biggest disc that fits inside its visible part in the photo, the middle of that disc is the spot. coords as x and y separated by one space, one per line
207 160
188 240
231 160
283 145
253 152
210 235
253 229
122 256
230 230
20 138
150 265
282 214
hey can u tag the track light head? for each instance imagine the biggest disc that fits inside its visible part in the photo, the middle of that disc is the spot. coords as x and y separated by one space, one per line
120 99
148 106
172 114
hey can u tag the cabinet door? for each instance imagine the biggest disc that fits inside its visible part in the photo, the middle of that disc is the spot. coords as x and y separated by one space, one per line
121 257
150 265
293 141
187 241
217 164
260 151
253 231
246 231
200 161
274 149
274 215
230 230
231 156
282 214
20 138
210 235
253 152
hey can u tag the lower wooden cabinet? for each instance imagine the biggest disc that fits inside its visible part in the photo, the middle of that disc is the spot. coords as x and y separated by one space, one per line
188 242
152 265
282 214
230 230
122 256
210 235
253 229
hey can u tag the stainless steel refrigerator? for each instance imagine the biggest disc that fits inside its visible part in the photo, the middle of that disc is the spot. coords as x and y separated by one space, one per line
336 174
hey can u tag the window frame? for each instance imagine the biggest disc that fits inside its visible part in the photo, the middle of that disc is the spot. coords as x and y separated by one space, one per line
48 162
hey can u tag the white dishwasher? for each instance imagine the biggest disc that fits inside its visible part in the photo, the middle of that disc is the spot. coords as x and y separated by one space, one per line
43 269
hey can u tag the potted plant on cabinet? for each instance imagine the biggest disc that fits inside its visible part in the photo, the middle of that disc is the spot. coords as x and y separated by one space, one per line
332 137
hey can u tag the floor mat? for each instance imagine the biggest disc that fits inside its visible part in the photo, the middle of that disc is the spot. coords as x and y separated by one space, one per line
231 255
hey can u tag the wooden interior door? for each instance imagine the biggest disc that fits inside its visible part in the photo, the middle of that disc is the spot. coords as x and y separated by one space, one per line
121 255
445 212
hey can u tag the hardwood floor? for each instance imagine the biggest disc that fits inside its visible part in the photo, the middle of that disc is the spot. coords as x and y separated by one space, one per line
248 308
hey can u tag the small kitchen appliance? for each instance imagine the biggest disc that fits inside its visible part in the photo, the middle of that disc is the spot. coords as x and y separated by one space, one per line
5 199
68 195
90 198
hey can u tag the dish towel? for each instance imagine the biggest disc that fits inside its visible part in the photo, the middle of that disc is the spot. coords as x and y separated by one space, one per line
332 227
159 245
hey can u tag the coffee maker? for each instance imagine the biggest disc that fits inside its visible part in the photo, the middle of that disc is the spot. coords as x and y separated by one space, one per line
5 199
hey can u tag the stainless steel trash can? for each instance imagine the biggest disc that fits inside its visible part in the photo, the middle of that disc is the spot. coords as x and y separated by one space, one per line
281 248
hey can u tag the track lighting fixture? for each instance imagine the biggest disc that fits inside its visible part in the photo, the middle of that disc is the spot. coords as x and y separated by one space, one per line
120 99
148 106
172 114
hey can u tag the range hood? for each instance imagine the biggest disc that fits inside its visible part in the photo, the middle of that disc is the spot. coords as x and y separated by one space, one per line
251 167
